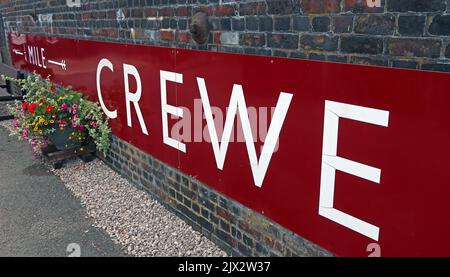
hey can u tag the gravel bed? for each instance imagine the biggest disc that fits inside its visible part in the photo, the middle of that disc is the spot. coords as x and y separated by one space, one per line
134 220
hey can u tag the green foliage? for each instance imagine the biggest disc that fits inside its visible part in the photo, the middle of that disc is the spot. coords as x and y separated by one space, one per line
47 108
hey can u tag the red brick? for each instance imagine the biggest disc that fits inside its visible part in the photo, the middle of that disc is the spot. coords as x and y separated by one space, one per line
150 12
166 12
183 11
216 37
167 34
206 9
224 10
321 6
184 37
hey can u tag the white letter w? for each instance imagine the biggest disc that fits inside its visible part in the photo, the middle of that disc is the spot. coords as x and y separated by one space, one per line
237 101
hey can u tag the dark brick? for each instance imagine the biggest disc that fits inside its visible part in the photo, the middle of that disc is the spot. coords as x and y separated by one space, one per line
225 24
282 23
343 24
301 23
319 42
252 39
283 6
247 240
297 55
255 8
447 51
360 6
411 25
337 58
375 24
206 203
416 5
265 23
280 53
407 47
362 45
405 64
286 41
321 6
440 25
317 57
225 226
321 24
205 223
238 24
204 213
224 236
436 67
261 249
377 61
251 23
245 251
195 207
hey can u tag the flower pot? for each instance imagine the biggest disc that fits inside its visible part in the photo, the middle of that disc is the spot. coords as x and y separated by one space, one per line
60 138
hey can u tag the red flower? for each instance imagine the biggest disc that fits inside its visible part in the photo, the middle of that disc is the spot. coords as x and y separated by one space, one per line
24 105
52 88
49 109
42 101
31 108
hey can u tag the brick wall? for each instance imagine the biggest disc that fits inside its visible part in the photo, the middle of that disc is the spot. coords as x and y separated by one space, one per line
401 33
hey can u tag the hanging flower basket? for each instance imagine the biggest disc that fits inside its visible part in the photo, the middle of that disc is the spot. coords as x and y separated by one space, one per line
58 116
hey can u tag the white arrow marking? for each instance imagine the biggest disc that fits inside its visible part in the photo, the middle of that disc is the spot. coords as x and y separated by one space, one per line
17 52
62 63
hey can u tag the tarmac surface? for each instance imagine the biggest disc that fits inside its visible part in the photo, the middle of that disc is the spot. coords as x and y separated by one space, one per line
39 216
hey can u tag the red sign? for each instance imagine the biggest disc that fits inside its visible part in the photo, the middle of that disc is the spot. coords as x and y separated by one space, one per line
350 157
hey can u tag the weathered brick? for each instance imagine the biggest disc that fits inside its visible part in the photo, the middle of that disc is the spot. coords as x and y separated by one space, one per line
319 42
321 6
440 25
342 24
360 6
444 67
183 11
301 23
286 41
283 7
408 47
282 23
251 23
224 10
238 23
252 39
411 25
361 44
254 8
416 5
265 23
447 51
375 24
321 24
405 64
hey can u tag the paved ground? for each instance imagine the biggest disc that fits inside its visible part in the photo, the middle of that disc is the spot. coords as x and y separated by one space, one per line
38 215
